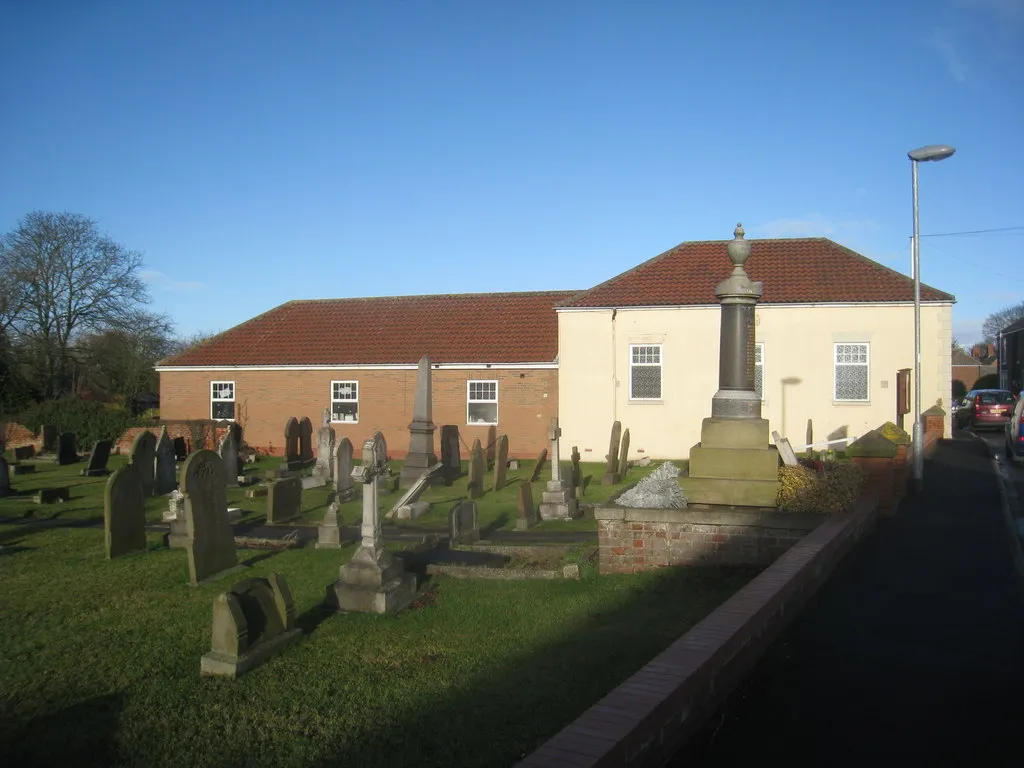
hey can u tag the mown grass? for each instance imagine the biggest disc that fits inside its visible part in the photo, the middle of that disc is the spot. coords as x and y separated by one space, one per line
99 660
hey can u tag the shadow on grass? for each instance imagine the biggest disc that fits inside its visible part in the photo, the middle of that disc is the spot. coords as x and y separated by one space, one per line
495 525
51 739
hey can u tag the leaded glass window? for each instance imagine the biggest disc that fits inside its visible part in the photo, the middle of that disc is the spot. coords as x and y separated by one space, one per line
645 372
851 372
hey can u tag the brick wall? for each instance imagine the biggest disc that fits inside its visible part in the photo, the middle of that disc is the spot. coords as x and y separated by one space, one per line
265 399
632 540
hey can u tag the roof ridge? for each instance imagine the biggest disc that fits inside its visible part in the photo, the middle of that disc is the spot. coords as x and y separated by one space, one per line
471 295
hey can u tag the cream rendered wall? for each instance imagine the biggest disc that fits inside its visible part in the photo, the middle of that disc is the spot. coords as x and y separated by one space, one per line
798 371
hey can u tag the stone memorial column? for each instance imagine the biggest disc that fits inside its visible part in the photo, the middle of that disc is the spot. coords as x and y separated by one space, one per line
557 501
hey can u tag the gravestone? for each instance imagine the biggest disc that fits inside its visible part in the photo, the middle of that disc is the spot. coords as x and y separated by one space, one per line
786 452
623 455
451 453
501 462
210 541
477 468
329 531
345 489
463 523
180 449
177 537
420 456
251 621
557 502
513 464
67 449
324 447
143 458
98 458
538 466
52 495
284 499
413 511
50 438
165 467
124 514
228 450
387 480
306 441
292 438
577 472
373 581
417 489
611 468
5 478
24 452
527 517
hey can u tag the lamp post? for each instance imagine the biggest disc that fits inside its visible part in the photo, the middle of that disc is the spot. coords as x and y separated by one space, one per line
930 153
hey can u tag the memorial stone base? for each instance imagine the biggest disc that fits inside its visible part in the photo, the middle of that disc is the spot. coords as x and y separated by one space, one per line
733 465
557 502
373 581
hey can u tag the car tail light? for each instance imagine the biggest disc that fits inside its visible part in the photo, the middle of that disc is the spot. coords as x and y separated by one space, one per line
977 399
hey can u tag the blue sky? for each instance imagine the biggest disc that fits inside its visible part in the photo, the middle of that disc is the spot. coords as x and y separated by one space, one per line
257 152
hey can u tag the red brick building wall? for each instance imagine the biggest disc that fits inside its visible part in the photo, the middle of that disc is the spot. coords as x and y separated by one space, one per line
265 399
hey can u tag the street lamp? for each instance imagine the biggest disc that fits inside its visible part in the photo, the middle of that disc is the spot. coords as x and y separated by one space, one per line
933 152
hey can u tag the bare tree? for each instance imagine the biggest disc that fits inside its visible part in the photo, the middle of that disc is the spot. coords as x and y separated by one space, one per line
74 279
995 322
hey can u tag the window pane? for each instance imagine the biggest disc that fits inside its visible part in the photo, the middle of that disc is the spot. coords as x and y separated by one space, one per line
344 411
647 355
483 413
483 391
646 382
223 409
759 380
344 390
851 382
223 390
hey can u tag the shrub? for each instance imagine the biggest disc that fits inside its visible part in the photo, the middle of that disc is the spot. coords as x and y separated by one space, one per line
89 421
988 381
831 489
959 389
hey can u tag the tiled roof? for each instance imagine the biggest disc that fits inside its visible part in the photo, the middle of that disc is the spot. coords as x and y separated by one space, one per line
794 271
460 328
962 358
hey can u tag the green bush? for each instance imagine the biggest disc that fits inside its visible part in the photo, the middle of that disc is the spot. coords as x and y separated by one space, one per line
831 490
89 421
988 381
959 389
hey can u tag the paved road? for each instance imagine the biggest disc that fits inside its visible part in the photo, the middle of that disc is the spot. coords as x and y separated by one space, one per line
1012 473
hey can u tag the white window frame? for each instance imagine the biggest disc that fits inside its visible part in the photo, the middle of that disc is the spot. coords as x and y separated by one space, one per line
660 365
335 399
866 365
759 353
214 399
470 400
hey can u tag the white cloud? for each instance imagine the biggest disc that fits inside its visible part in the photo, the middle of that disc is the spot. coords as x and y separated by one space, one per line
160 280
942 43
812 225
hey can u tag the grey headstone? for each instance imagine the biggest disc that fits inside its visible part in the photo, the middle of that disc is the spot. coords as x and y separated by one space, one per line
538 466
786 452
24 452
50 438
611 468
500 462
67 448
413 511
463 524
325 438
343 484
477 468
284 499
451 452
292 436
164 478
513 464
180 449
329 531
306 441
420 455
5 478
143 458
527 517
228 451
623 455
124 513
98 459
211 543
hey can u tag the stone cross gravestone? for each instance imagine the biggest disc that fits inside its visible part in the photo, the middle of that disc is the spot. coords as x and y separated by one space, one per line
292 436
527 517
180 449
343 485
98 458
557 502
501 462
463 523
251 621
786 452
5 478
284 499
477 468
325 438
50 438
623 454
228 451
124 513
451 452
306 441
142 458
611 468
67 448
421 454
538 466
210 544
165 467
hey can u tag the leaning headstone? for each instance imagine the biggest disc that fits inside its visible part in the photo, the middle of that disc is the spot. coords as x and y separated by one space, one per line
180 449
500 462
329 531
306 441
527 517
98 459
50 438
477 468
623 455
577 473
786 452
538 466
124 514
463 523
251 621
228 451
324 446
67 448
344 487
143 458
5 478
284 499
211 543
413 511
292 438
165 467
611 469
24 452
417 489
451 452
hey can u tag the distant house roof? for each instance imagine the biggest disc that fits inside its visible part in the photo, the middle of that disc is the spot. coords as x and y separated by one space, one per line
794 271
459 328
962 358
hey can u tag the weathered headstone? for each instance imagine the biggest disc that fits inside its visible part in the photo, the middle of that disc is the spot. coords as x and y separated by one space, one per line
324 446
344 487
228 451
67 448
165 467
5 478
284 499
124 513
623 455
251 621
786 452
451 452
329 531
98 459
538 466
513 464
387 480
292 437
180 449
373 581
175 506
24 452
305 441
557 502
477 468
420 456
211 543
527 517
463 524
611 469
50 438
143 458
500 462
577 473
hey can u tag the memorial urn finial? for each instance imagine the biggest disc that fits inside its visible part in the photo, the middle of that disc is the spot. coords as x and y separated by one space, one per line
738 248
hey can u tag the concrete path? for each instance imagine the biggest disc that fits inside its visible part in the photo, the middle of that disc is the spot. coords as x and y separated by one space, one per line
915 647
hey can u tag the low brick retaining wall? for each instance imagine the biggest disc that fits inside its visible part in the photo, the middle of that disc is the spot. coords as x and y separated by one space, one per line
649 717
632 539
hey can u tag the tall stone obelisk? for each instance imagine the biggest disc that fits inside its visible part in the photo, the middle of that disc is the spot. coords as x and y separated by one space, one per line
421 454
733 464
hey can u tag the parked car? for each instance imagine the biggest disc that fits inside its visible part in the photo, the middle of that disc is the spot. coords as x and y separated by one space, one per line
985 408
1015 433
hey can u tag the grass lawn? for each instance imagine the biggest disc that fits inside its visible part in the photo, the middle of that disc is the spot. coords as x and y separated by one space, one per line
99 660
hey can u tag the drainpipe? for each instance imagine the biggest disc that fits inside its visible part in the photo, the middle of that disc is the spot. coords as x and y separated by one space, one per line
615 370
